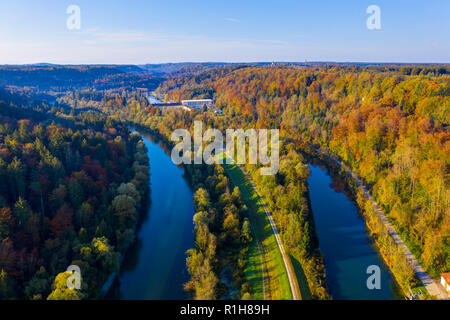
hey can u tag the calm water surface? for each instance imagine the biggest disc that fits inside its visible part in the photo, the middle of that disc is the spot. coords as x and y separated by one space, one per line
344 243
155 266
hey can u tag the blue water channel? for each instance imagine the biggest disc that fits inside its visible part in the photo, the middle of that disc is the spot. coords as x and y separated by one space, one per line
347 249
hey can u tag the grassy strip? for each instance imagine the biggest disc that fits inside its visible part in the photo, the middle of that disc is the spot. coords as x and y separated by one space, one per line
254 270
303 286
276 282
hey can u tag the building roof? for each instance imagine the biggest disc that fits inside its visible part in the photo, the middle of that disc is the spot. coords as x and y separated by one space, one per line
197 100
446 277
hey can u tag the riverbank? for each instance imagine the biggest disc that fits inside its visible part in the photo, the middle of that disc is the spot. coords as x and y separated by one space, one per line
145 202
154 266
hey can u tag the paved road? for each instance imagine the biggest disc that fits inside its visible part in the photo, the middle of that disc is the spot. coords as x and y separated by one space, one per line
429 283
288 266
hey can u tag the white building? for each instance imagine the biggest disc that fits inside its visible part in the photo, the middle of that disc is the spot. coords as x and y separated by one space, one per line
197 104
445 281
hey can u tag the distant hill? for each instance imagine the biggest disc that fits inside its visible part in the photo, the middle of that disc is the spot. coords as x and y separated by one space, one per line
166 68
46 77
53 77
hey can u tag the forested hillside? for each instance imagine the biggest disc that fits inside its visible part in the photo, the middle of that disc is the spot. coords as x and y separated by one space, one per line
389 124
61 78
68 196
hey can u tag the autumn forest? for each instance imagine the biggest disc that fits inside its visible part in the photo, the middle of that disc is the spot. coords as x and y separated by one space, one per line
75 173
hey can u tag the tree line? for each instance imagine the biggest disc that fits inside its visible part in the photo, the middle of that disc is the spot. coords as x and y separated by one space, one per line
222 233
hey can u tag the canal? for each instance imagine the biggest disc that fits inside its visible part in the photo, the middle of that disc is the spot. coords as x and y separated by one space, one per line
347 248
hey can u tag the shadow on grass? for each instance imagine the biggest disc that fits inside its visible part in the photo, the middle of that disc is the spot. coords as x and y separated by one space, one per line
277 283
253 271
301 278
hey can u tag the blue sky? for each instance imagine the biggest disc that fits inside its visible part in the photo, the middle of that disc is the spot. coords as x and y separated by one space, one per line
147 31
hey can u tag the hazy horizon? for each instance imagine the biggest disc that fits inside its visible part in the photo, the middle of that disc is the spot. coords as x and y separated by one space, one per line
227 62
154 32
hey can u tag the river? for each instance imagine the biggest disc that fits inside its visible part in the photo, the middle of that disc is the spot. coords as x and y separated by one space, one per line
154 267
153 100
347 249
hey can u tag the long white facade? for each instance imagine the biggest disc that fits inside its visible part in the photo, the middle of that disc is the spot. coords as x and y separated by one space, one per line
197 104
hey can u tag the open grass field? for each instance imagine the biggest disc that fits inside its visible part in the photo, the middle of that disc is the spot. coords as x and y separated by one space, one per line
265 260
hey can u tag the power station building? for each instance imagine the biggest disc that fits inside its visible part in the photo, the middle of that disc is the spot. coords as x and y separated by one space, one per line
197 104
